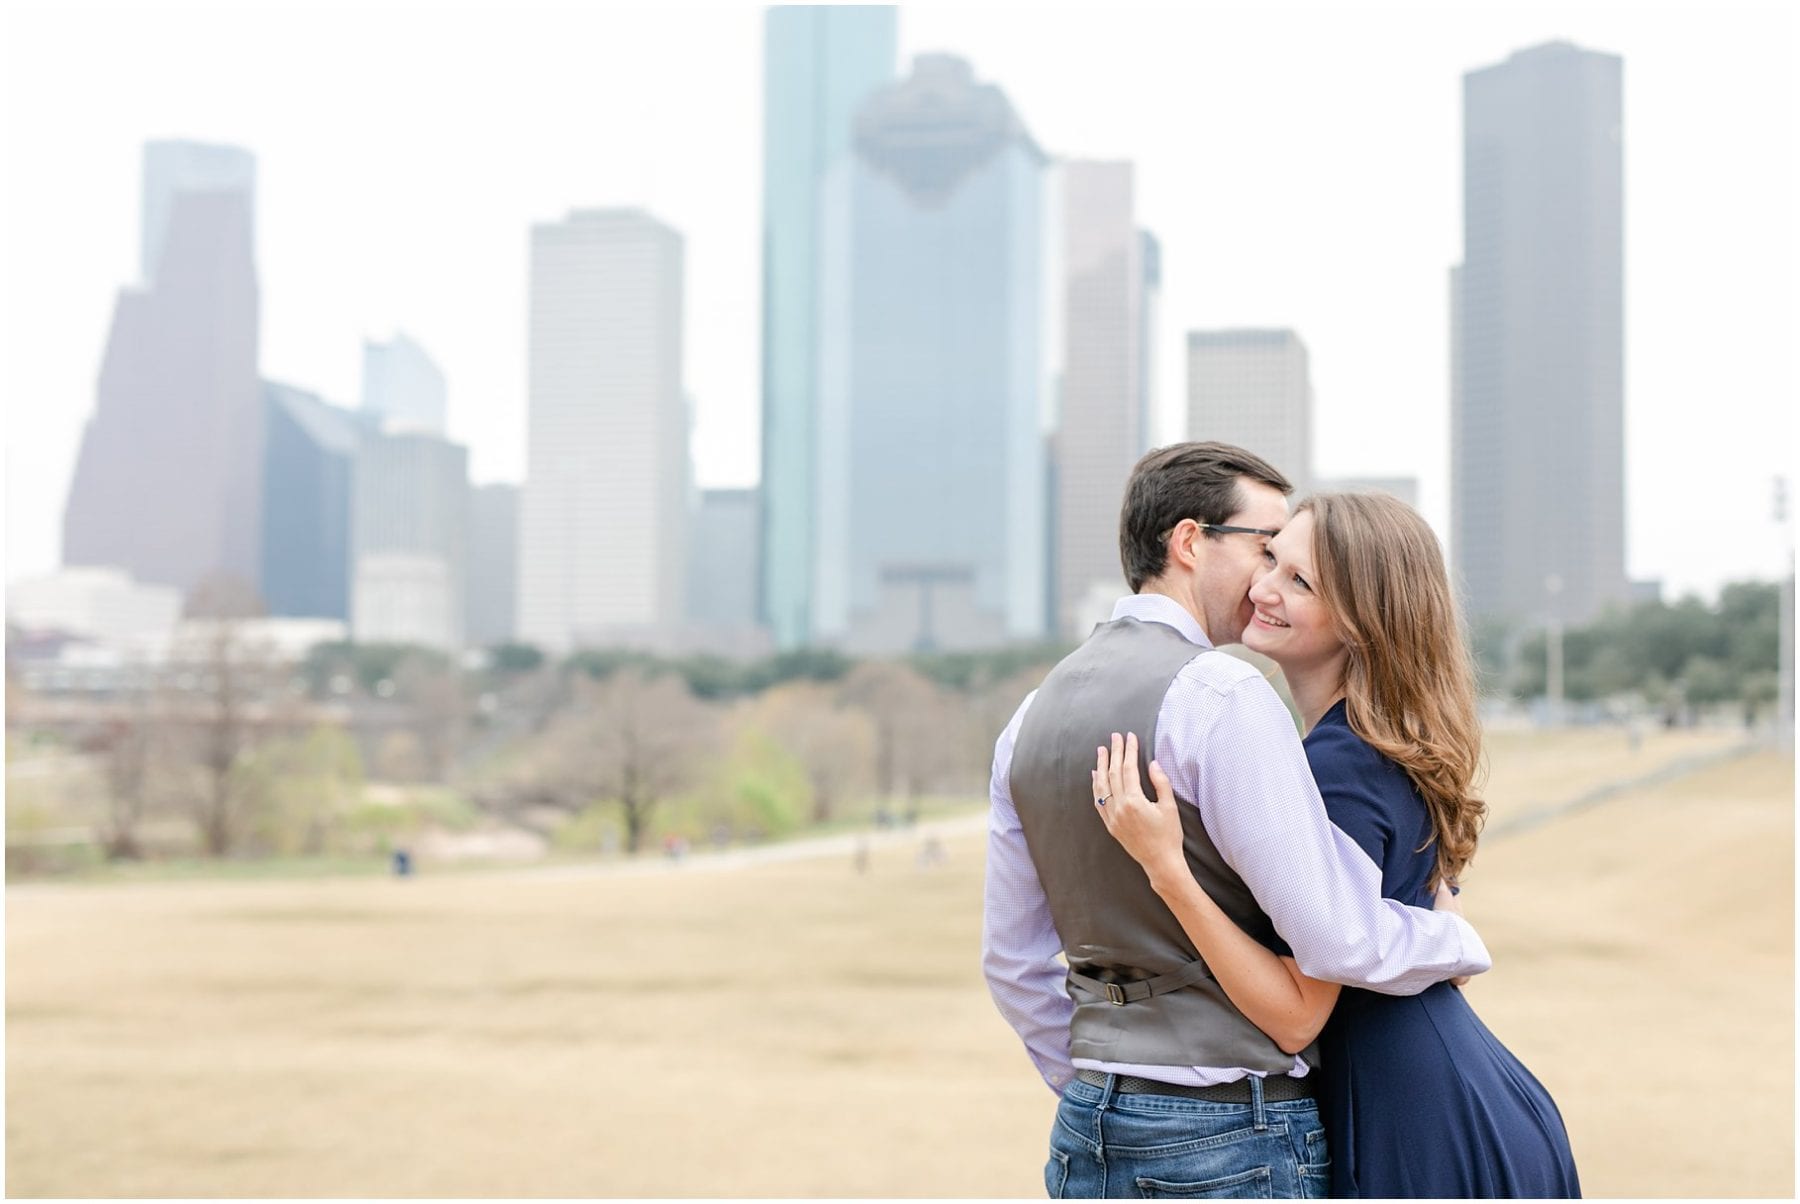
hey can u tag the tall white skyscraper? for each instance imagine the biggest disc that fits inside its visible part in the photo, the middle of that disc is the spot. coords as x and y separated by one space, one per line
403 388
604 508
1253 388
1105 404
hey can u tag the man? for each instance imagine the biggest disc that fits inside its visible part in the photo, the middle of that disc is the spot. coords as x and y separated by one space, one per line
1166 1088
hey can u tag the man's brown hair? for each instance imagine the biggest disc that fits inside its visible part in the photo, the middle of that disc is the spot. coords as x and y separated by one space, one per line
1183 480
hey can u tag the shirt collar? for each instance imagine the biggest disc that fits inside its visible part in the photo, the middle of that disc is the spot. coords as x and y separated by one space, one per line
1160 608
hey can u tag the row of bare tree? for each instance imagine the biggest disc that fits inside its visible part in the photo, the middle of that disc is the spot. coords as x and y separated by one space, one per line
881 735
231 740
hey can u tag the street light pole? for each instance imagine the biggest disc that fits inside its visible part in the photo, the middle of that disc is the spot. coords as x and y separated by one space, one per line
1784 707
1553 649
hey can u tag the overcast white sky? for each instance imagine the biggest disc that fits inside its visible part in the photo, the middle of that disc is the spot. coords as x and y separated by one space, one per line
1301 164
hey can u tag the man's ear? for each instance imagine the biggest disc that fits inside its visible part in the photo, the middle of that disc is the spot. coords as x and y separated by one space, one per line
1183 541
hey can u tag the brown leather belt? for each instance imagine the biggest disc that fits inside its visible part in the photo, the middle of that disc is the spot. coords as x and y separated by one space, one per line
1276 1087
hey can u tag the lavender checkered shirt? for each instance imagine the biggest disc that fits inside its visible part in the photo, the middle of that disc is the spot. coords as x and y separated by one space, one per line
1227 742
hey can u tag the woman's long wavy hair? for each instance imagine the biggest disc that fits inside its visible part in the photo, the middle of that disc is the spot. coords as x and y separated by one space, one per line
1409 684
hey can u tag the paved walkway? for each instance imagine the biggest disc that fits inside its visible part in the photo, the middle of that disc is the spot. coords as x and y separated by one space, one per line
841 845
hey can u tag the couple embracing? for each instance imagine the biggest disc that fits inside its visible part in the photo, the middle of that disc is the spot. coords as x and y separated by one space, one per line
1258 992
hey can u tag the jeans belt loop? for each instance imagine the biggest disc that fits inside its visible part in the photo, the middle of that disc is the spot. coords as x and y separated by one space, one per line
1237 1091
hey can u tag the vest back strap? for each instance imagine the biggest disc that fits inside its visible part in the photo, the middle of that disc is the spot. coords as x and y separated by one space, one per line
1122 993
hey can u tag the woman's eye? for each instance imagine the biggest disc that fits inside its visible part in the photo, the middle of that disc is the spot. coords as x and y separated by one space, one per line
1301 582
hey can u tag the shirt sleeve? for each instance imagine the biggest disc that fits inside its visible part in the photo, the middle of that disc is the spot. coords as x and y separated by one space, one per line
1319 887
1019 941
1352 802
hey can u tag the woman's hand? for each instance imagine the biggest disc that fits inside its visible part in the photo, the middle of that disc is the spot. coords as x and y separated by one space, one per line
1270 990
1149 828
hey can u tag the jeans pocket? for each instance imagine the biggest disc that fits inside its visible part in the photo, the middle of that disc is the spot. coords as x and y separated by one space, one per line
1056 1174
1257 1183
1315 1164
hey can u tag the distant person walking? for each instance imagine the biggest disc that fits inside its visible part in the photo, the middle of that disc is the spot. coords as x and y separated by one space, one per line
1418 1097
1167 1086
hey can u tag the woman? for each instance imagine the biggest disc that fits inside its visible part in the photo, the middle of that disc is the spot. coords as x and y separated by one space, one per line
1418 1097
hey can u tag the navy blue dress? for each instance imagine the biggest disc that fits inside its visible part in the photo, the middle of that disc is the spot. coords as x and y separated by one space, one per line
1417 1096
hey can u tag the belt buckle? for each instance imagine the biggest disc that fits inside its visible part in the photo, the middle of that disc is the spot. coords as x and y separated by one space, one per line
1115 993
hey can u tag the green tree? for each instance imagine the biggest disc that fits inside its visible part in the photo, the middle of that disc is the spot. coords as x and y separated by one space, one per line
511 658
304 787
832 743
1668 654
365 666
1706 680
761 787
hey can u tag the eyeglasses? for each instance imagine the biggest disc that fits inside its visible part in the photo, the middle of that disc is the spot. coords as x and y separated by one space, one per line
1224 529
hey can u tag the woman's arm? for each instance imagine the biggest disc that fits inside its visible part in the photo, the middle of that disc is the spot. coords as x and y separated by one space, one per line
1270 990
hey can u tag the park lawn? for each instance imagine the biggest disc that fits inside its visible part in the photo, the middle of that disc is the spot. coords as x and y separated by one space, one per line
800 1029
1532 769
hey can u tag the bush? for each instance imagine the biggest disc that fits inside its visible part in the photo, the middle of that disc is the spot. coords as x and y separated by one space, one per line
593 829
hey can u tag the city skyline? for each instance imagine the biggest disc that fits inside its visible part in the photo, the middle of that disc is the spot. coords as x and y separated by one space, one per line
1382 395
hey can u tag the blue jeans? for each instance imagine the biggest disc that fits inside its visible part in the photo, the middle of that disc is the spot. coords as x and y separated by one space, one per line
1110 1146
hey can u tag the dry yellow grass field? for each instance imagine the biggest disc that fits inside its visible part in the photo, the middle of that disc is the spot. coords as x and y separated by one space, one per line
796 1029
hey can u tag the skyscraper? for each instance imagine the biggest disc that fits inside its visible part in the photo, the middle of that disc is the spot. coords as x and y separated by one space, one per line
819 64
409 538
1105 401
722 572
493 564
930 495
309 467
1149 315
168 481
403 387
1253 388
604 509
1537 340
175 169
1406 489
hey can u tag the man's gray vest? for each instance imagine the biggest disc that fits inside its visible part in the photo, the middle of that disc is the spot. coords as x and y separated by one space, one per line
1142 994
